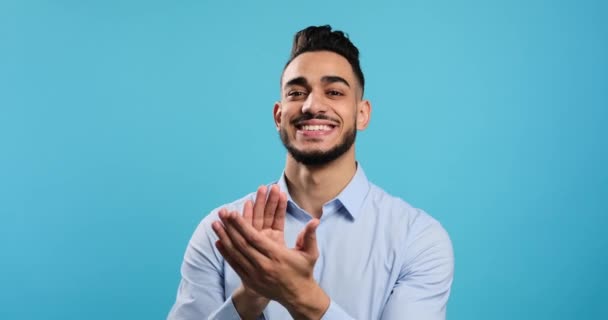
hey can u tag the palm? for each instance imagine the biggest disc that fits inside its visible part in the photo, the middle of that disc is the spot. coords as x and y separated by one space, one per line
267 215
278 236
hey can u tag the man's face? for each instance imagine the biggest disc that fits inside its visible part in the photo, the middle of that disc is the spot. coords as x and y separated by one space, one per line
320 109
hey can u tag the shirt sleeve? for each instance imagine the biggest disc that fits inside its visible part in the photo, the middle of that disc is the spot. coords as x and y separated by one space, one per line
334 312
201 290
423 286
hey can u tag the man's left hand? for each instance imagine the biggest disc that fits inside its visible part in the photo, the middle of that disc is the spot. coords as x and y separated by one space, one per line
270 268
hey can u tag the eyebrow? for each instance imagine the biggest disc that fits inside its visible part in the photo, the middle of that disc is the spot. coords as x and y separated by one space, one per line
334 79
301 81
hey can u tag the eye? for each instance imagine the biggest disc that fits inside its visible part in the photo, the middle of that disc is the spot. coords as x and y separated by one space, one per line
334 93
295 94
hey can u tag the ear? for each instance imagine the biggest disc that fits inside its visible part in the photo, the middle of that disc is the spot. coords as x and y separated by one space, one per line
364 113
276 114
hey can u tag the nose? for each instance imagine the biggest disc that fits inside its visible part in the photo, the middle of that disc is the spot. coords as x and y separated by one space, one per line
314 103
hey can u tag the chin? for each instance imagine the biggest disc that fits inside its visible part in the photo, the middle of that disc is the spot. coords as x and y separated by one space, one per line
315 153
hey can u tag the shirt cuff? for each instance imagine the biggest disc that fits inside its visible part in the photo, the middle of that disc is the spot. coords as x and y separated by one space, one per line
226 312
334 312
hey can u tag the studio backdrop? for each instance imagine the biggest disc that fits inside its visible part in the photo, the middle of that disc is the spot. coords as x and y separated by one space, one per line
123 123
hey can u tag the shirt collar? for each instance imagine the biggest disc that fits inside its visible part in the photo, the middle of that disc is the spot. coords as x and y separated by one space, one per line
351 197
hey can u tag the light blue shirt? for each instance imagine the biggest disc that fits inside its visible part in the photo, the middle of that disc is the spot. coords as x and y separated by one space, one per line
379 258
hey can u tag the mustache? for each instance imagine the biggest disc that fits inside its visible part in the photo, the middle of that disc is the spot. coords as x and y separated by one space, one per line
310 116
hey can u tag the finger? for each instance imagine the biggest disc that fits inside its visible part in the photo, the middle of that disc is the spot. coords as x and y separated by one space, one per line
279 216
248 212
240 237
236 259
300 240
228 256
257 243
258 207
307 240
271 206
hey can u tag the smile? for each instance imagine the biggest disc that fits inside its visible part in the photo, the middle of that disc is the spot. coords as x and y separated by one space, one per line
322 127
315 130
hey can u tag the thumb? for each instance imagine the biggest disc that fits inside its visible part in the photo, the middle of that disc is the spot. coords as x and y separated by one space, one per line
308 238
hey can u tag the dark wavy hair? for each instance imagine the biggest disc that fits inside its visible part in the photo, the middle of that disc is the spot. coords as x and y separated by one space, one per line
323 38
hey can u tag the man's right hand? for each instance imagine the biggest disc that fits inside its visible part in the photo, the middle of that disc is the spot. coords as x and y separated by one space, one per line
266 214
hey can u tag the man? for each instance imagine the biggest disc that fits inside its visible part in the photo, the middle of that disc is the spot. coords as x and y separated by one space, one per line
323 242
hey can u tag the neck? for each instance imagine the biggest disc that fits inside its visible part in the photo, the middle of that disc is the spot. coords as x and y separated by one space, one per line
312 187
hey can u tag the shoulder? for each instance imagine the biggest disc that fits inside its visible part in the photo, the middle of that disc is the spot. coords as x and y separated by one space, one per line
397 208
421 240
411 222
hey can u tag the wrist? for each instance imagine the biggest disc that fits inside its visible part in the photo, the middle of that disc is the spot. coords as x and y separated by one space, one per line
248 303
310 303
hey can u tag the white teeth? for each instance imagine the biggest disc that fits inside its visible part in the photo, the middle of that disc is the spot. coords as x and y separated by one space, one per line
316 127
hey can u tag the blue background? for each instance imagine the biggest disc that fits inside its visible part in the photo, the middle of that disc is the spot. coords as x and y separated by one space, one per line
122 123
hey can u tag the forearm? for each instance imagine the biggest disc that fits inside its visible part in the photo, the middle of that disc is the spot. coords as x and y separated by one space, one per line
248 304
310 303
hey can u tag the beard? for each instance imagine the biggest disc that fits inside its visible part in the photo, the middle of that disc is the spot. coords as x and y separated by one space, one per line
317 158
